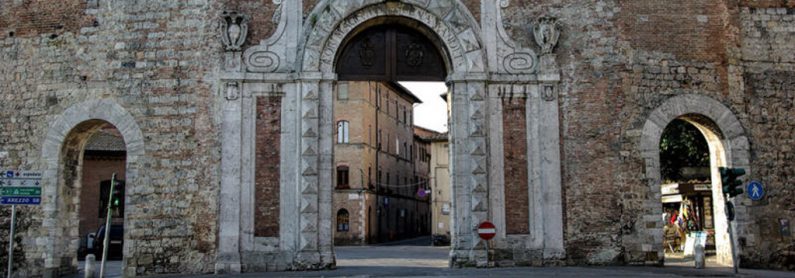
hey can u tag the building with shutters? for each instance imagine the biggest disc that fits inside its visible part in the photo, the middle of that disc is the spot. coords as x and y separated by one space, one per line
376 165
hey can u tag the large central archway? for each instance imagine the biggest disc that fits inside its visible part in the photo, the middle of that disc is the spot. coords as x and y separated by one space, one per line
462 58
292 76
374 114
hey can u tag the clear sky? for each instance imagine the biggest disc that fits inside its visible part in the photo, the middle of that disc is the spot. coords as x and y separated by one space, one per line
432 113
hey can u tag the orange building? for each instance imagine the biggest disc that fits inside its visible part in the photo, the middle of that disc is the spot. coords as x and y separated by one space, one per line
377 188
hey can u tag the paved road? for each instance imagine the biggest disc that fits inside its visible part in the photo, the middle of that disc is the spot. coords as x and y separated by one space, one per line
415 258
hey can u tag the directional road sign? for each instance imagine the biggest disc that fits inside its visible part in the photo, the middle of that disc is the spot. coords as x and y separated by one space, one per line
20 188
9 200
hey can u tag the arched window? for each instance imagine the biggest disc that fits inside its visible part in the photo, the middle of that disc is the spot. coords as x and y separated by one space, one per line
342 132
342 177
342 220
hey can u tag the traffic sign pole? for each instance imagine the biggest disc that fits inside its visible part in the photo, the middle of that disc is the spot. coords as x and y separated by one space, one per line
487 231
11 240
107 229
18 188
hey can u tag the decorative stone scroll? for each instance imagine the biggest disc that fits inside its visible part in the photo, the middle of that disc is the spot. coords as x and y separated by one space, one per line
277 53
507 56
234 29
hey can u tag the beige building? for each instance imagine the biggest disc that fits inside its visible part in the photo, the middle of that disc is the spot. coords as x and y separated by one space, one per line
377 179
437 152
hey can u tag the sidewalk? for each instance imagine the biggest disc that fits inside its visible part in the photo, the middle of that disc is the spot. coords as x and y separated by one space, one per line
557 272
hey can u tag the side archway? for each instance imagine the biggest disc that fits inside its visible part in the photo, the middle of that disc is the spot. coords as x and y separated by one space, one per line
728 147
63 143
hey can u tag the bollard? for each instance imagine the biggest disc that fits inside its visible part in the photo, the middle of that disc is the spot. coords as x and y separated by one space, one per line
91 266
699 256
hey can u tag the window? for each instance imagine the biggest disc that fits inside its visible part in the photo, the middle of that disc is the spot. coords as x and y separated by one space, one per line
379 139
342 132
342 177
342 220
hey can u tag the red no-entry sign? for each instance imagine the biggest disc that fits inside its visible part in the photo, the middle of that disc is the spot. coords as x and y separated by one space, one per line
487 230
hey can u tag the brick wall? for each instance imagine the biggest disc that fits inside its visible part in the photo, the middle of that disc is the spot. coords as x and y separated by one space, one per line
42 17
515 149
622 59
768 50
155 59
266 180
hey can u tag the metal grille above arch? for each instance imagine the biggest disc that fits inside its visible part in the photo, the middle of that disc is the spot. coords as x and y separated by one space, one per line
390 52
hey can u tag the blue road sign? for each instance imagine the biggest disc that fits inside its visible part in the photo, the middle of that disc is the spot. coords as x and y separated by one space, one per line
11 200
10 174
755 190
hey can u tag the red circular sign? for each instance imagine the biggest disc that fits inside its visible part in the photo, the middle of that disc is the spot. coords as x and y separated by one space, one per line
487 230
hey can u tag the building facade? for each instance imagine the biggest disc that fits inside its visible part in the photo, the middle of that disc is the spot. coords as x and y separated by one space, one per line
226 111
375 195
437 151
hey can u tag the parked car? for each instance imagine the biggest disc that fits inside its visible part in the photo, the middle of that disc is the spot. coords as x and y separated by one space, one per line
115 244
441 240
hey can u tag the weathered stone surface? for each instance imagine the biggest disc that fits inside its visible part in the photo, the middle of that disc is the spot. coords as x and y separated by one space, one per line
158 64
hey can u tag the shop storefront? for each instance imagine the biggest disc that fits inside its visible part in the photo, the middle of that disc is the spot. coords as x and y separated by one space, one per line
687 212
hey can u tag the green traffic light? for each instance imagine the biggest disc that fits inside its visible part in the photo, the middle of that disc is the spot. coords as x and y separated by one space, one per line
731 184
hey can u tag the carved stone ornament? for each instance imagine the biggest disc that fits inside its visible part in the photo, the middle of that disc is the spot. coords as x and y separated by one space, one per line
546 33
232 91
414 54
548 93
367 53
234 29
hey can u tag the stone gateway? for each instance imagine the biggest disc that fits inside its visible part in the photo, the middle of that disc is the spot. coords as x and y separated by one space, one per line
556 113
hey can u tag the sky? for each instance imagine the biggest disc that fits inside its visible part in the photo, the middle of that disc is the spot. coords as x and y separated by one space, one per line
432 113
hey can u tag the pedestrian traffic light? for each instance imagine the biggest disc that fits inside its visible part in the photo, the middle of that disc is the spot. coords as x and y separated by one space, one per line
729 178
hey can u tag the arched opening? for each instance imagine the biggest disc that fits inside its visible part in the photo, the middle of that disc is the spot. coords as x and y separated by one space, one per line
389 69
92 152
691 150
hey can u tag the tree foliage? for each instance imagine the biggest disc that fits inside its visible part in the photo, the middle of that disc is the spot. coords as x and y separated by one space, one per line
682 145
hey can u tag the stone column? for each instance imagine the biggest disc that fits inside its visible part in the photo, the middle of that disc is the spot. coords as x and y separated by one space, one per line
549 186
470 170
228 256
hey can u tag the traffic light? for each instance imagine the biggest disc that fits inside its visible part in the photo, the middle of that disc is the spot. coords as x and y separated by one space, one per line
117 198
729 178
